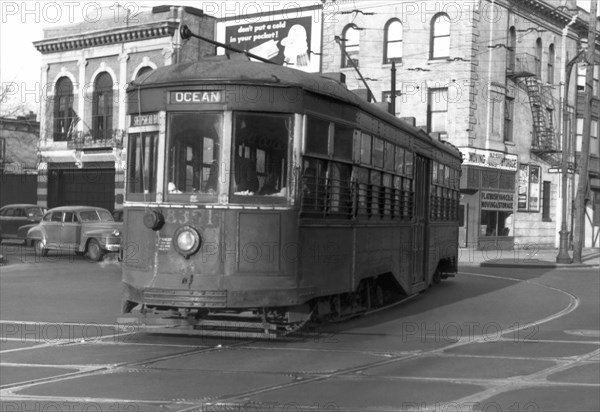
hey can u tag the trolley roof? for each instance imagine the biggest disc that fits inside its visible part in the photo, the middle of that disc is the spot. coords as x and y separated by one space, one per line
221 70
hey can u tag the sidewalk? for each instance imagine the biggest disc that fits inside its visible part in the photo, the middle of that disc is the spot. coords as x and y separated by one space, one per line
540 258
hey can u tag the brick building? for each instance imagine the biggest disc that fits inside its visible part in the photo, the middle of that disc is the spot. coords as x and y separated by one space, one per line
18 159
484 76
86 69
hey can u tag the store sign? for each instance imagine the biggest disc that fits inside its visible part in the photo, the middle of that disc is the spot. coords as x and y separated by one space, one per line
489 158
497 201
291 37
529 188
186 97
150 119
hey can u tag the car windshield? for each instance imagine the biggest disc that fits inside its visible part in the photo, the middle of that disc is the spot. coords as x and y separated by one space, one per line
95 216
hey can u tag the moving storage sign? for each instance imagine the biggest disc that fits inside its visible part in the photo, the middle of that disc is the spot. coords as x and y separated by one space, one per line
497 201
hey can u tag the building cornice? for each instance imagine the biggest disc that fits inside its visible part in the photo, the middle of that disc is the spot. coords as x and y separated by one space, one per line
107 37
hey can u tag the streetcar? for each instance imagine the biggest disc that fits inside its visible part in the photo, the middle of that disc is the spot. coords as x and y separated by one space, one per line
259 197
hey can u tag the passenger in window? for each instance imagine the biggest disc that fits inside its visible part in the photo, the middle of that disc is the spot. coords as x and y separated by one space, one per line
210 186
245 176
270 186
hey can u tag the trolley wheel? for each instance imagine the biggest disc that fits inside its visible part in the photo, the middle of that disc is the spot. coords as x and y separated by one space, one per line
94 251
39 248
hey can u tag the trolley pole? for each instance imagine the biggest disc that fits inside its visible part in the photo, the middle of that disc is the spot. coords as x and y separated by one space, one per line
563 252
582 186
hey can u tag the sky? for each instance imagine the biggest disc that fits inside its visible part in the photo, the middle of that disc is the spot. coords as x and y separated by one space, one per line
21 23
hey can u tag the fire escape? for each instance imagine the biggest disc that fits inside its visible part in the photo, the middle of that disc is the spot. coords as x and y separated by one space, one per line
525 74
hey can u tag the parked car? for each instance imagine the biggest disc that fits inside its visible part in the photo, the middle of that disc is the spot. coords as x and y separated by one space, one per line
84 229
17 219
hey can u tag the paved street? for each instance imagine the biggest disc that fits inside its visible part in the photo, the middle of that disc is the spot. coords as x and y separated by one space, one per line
494 338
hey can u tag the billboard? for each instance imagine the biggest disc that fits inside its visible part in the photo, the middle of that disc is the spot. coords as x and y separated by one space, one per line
291 37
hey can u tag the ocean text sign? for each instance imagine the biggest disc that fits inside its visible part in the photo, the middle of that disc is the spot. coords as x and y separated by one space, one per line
213 96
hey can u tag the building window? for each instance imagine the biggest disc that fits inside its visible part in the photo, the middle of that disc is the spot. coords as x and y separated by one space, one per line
440 36
538 58
581 71
551 57
546 188
509 106
393 41
596 81
496 223
512 46
437 109
579 134
102 106
63 109
143 71
350 45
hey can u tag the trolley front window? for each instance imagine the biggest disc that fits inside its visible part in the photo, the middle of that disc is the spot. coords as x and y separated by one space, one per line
260 156
141 169
193 156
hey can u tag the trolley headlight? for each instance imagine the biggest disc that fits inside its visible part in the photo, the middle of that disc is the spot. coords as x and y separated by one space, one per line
186 241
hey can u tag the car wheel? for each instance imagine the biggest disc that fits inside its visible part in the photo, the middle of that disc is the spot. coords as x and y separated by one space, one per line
94 251
39 248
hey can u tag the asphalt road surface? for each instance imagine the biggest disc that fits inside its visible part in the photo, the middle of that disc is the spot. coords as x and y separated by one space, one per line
490 339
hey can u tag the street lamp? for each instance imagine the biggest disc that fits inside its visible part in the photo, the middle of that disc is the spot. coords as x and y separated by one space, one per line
563 252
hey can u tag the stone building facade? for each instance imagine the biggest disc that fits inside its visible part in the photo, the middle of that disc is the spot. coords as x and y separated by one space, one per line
485 76
86 70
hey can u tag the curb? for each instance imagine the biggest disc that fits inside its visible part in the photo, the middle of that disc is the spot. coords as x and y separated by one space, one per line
536 265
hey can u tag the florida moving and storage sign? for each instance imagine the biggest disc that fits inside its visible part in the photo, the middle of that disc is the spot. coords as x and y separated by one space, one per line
291 38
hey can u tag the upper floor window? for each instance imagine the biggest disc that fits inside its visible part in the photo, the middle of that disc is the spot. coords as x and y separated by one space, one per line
440 36
63 109
538 58
551 57
512 47
350 45
102 106
143 71
393 41
437 110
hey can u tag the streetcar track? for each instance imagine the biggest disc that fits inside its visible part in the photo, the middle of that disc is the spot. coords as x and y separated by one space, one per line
493 386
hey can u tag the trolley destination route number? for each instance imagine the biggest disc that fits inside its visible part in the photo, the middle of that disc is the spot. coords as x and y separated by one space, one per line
213 96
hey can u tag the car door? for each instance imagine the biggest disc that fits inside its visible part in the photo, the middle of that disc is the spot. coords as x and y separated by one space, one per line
53 228
7 222
20 218
70 230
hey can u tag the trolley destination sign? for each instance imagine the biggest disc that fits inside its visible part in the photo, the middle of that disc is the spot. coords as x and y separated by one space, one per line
196 96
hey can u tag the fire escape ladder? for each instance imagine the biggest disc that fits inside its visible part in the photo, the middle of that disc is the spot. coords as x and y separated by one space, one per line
543 145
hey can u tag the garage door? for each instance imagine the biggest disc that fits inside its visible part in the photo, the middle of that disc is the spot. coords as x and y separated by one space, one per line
87 187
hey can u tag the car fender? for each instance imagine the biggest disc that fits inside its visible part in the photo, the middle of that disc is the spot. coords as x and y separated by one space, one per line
36 233
23 231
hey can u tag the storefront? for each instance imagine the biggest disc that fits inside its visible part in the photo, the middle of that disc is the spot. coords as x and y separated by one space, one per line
488 200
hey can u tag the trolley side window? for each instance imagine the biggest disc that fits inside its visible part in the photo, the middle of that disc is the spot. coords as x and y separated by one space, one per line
142 160
193 153
260 154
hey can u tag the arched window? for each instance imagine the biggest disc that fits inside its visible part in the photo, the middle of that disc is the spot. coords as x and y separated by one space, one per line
63 109
512 49
440 36
102 106
350 44
392 48
143 71
538 58
551 57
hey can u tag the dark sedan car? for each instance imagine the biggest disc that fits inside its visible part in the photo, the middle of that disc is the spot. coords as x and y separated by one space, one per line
83 229
17 219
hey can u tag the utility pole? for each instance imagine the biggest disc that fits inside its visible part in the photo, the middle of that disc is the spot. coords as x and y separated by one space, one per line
563 252
582 186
